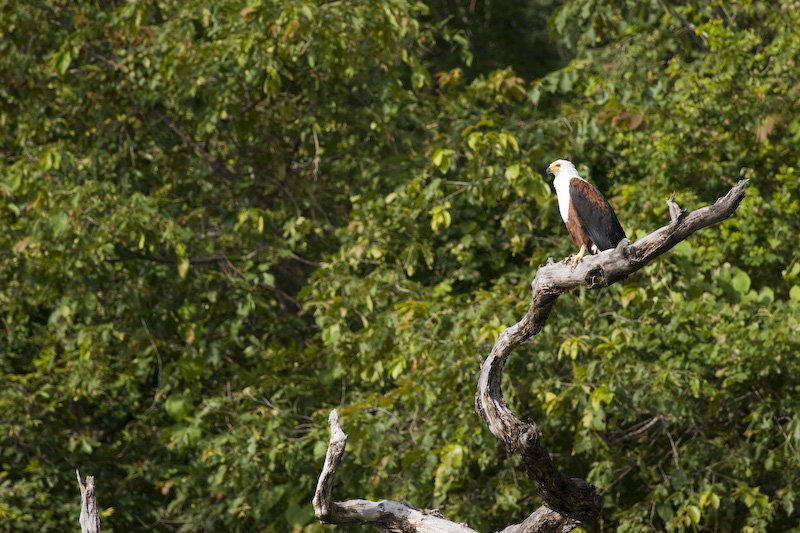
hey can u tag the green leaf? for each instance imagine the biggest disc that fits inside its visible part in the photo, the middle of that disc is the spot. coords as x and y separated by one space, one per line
64 60
183 267
794 293
178 406
297 516
741 282
693 512
539 190
601 395
512 172
191 366
440 216
715 501
441 159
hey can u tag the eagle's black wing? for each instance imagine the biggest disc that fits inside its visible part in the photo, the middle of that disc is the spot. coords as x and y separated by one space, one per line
595 214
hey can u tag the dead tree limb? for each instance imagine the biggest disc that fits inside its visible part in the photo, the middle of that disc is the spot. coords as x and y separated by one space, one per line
567 501
90 515
572 497
384 515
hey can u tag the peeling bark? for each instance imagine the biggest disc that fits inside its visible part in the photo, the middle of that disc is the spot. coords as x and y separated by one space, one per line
567 501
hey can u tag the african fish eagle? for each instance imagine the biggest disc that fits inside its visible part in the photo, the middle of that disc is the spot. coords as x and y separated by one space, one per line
589 218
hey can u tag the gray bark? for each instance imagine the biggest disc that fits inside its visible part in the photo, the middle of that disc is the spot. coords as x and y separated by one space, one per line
566 501
385 515
90 515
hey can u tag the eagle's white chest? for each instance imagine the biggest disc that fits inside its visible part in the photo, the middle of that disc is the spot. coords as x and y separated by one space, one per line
561 183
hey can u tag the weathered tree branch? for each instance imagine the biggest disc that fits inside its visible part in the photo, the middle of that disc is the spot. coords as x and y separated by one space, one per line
571 497
385 515
567 501
90 516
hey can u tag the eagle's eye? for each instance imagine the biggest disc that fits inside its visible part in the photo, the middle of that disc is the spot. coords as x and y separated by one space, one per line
556 167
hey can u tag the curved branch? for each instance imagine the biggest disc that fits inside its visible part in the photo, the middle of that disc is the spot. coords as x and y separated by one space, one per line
400 517
384 515
567 501
571 497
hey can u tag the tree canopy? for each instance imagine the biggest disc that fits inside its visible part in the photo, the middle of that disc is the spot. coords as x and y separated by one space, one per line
221 220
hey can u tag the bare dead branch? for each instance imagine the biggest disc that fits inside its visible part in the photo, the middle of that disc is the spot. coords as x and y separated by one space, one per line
90 516
567 501
572 497
543 520
400 517
384 515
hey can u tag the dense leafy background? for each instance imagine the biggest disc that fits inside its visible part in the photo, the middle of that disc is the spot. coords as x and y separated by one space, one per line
221 220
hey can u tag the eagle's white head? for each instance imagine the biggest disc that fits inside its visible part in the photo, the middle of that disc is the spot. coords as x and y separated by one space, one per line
561 168
562 171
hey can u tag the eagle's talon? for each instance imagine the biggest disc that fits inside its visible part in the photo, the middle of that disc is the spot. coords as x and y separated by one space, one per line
575 259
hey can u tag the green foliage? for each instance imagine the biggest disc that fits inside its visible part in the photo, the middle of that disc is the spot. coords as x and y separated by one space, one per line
222 220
